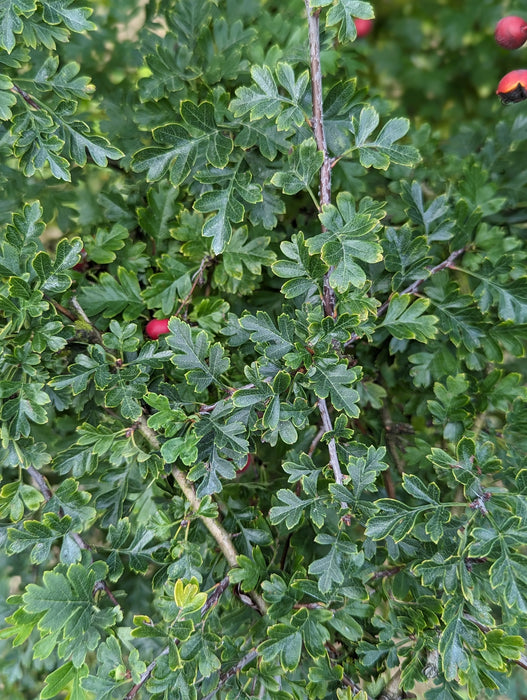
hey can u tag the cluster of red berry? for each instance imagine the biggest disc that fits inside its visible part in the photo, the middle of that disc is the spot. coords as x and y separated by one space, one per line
511 33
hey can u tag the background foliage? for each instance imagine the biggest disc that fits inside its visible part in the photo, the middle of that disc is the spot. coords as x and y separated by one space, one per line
359 349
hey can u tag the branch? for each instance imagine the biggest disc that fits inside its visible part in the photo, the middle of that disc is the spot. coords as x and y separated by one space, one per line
351 684
317 124
315 441
25 96
198 279
522 661
45 490
225 677
332 445
219 533
80 311
218 591
386 573
145 675
392 690
413 288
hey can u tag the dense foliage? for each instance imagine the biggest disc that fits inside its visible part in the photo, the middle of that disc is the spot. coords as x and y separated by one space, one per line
314 485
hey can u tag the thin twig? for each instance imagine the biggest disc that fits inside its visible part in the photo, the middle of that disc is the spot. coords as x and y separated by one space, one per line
216 594
222 537
522 661
41 483
225 677
78 308
61 309
25 96
145 675
103 586
414 287
198 279
218 591
351 684
315 441
385 573
317 124
332 445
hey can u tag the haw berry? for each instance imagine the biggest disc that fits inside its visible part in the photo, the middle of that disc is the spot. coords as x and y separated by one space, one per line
511 32
156 327
363 26
247 465
83 263
513 87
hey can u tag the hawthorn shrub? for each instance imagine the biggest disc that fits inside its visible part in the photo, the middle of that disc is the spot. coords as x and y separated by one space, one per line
313 485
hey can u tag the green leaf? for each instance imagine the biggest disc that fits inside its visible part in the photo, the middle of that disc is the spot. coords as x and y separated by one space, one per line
274 341
291 512
329 377
396 519
102 249
455 638
25 408
112 297
304 162
74 18
10 20
343 12
39 536
195 141
265 100
52 276
226 202
190 353
302 270
348 239
63 677
382 150
407 320
285 642
405 254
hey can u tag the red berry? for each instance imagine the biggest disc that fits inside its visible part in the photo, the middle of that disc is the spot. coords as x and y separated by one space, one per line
82 264
363 26
513 87
157 327
511 32
247 465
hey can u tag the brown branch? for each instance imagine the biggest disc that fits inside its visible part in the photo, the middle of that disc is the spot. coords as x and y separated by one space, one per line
222 537
145 675
522 661
41 483
386 573
61 309
392 690
198 279
225 677
351 684
216 594
78 308
103 586
413 288
45 490
317 124
315 441
332 445
25 96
